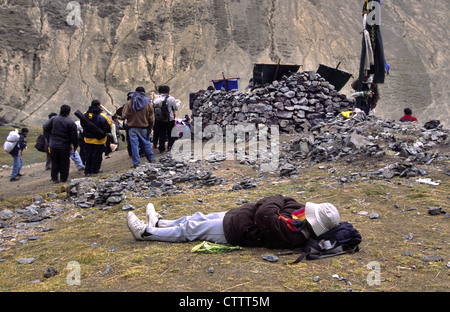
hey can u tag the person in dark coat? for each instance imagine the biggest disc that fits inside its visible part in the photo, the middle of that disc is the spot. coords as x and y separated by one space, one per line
62 135
48 161
16 153
273 222
95 144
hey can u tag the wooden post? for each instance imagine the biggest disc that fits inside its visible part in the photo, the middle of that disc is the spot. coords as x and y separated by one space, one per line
225 82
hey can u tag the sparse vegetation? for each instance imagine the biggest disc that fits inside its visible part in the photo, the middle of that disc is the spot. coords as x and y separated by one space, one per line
100 239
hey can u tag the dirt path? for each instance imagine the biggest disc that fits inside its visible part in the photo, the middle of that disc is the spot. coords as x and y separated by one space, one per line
36 180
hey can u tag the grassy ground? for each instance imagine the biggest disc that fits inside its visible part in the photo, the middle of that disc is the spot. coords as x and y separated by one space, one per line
96 240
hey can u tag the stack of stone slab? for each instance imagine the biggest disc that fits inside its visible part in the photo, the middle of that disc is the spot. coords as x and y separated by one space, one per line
295 104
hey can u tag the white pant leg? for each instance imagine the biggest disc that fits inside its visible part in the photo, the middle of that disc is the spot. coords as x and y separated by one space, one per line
198 216
196 227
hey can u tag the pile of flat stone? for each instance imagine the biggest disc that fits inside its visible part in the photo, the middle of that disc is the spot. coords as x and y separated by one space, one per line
335 139
295 104
369 136
149 180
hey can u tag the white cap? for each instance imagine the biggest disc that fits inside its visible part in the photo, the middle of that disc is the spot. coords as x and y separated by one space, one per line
322 217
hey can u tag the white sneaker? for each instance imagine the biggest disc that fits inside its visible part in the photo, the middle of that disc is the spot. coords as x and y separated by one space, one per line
136 226
151 216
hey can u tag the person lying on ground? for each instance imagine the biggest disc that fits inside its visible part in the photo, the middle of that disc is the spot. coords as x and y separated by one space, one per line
273 222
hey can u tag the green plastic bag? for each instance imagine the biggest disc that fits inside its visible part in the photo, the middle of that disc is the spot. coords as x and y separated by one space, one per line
210 248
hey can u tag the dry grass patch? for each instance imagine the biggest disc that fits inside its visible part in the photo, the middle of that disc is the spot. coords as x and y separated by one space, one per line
99 240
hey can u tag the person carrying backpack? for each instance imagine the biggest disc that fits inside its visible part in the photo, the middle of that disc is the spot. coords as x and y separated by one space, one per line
164 106
94 137
273 222
16 154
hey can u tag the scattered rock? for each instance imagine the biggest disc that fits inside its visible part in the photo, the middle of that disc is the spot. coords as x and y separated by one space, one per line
6 214
149 180
25 260
435 211
407 254
50 271
244 185
106 271
270 258
432 258
128 207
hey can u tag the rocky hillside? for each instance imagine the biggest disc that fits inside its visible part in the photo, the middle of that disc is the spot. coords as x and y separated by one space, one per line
54 53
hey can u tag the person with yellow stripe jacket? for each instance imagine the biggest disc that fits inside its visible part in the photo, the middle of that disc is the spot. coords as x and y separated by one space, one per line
95 143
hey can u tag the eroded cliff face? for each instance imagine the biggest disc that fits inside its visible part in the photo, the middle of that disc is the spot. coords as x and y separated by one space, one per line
118 45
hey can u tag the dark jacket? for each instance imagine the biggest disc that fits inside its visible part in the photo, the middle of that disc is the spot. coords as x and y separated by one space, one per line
260 225
20 146
61 132
95 114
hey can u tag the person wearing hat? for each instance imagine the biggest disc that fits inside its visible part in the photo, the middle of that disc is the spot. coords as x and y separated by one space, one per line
16 153
273 222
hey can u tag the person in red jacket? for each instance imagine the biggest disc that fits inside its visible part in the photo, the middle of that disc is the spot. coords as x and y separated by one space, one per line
408 116
272 222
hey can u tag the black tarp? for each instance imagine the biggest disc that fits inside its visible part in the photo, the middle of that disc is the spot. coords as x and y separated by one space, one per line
267 73
333 75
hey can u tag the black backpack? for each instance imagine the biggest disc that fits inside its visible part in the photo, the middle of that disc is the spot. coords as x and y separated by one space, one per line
340 240
41 143
162 111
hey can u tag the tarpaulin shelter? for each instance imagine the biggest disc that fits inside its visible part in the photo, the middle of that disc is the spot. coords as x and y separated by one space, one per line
333 75
229 84
267 73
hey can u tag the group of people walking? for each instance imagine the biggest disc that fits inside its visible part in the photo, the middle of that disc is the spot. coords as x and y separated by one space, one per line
97 135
